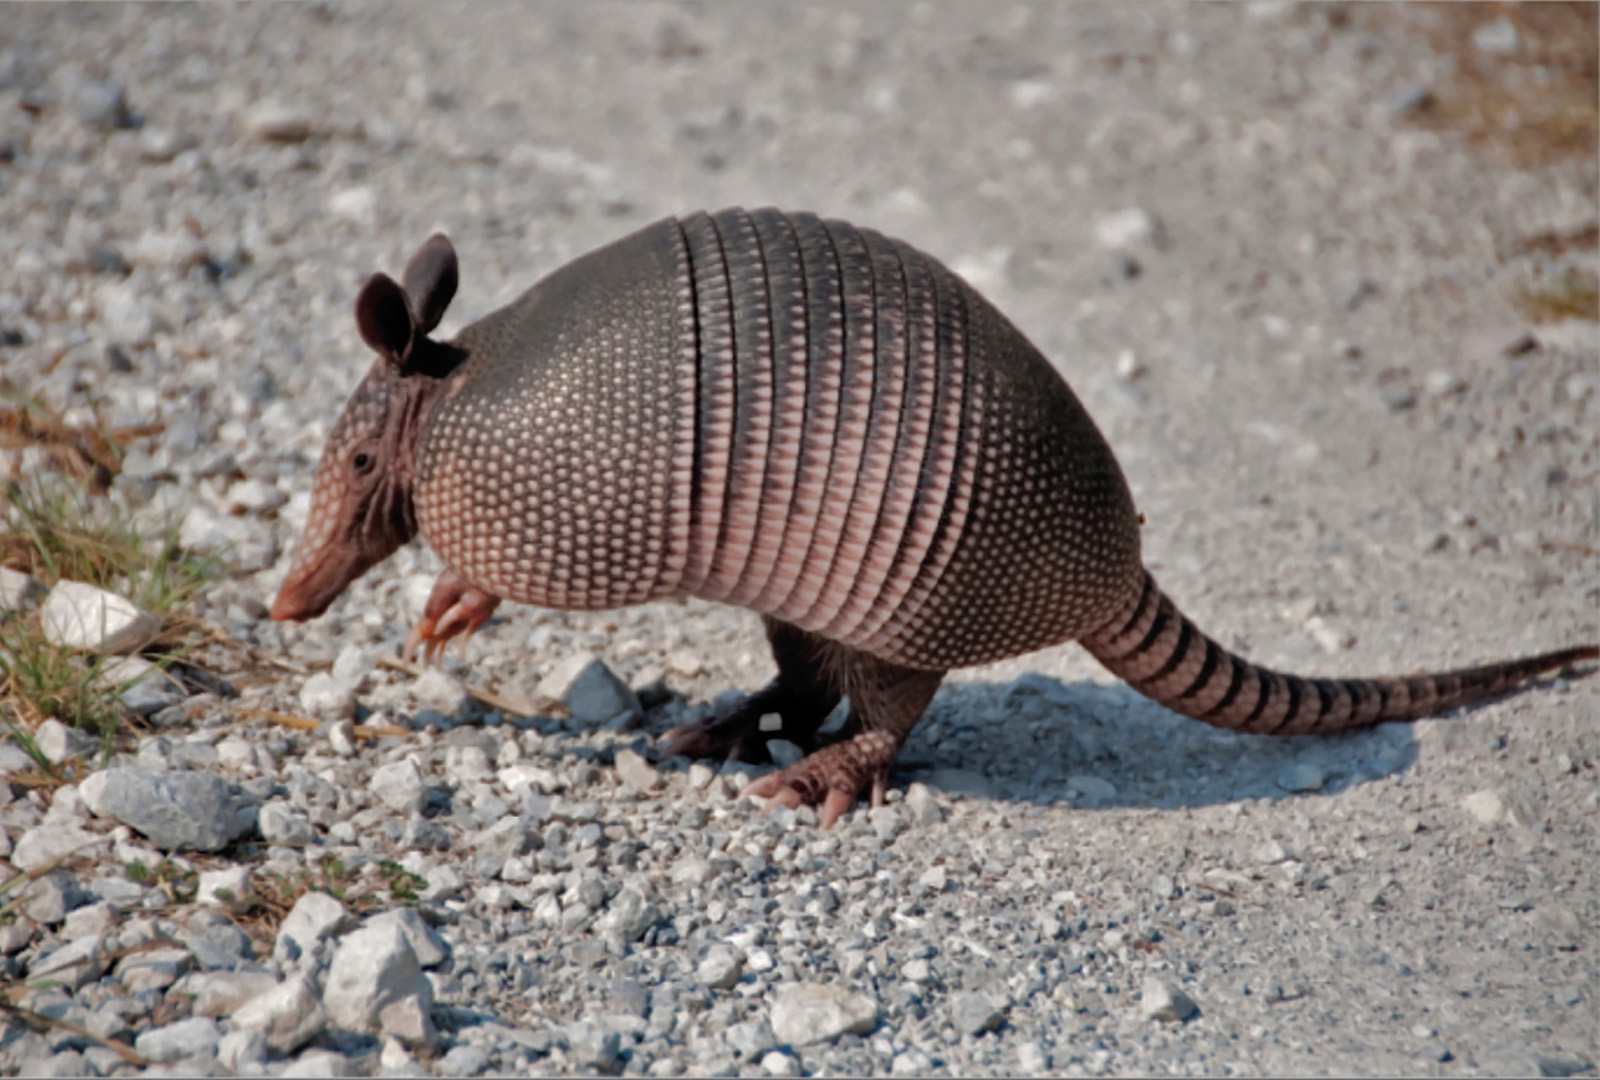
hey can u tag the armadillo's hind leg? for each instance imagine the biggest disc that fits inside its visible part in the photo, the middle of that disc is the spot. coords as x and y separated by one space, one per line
801 697
886 701
455 607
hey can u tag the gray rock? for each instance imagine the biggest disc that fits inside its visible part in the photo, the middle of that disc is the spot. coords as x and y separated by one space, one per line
1302 776
1488 806
1032 1059
240 1049
777 1063
314 916
79 616
974 1013
1498 37
147 688
68 1063
44 844
911 1062
19 592
18 934
1559 928
634 770
374 967
89 921
590 691
72 966
186 1039
722 966
593 1047
279 824
101 103
58 742
1162 1000
922 806
960 782
1134 227
178 811
215 941
1094 790
806 1013
504 839
409 1021
153 970
47 899
327 697
463 1060
752 1038
429 948
228 887
1271 853
399 785
221 993
353 664
318 1063
628 916
288 1015
440 692
274 122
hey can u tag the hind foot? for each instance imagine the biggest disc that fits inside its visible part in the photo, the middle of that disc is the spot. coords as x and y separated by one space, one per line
831 778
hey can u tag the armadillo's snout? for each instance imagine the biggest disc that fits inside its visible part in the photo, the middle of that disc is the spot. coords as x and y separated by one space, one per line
314 584
293 603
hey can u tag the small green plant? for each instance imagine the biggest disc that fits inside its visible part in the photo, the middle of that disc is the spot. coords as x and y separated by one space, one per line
178 883
52 529
403 884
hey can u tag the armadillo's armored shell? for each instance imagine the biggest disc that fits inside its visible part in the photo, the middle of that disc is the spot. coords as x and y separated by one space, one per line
792 415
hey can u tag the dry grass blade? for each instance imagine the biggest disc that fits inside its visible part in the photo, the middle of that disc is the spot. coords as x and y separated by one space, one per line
47 1023
494 701
83 451
303 723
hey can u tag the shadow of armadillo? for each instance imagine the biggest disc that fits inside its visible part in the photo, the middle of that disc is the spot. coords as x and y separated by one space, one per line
1039 741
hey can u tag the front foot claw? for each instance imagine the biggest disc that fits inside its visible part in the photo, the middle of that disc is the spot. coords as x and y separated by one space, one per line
455 608
831 778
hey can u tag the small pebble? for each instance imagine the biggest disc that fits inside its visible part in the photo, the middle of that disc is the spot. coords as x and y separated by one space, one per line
1302 776
1163 1001
973 1014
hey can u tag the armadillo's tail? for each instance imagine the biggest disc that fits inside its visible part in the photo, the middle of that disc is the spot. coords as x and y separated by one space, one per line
1161 654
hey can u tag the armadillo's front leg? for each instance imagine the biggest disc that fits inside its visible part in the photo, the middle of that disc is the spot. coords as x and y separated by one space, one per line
801 696
455 606
886 701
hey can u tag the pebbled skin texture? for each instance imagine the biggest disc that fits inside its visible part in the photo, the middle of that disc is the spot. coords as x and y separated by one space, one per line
803 418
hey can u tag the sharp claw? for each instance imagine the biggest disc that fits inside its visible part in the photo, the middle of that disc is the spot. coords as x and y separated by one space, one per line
880 787
421 634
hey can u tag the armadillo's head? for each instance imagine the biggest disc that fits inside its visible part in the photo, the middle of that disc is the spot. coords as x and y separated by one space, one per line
361 503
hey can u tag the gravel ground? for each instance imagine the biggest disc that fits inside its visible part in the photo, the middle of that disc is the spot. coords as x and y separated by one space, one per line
1285 294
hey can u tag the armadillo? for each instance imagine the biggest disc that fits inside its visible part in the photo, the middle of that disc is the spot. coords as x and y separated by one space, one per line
799 417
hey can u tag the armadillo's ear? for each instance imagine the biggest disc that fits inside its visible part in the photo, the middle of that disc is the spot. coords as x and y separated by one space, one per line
431 278
384 315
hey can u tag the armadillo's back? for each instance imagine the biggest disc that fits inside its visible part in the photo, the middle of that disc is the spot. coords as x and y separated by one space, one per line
558 468
792 415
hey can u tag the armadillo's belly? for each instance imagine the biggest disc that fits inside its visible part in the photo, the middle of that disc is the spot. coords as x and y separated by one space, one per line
790 415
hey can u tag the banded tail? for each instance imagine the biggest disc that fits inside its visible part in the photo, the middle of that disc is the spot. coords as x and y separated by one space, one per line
1156 649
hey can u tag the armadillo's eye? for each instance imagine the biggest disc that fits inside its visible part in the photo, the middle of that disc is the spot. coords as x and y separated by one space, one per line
362 462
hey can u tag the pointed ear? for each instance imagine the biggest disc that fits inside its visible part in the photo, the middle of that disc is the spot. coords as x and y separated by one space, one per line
384 316
431 278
